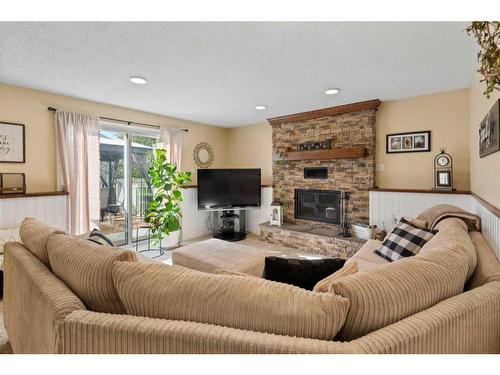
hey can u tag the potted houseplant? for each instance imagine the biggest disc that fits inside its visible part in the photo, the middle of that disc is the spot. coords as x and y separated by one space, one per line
164 212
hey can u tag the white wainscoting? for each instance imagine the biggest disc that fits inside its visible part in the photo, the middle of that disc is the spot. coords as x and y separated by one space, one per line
262 214
194 221
52 210
386 205
490 224
48 209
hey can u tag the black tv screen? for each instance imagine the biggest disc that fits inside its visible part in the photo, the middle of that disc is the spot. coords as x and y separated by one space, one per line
227 188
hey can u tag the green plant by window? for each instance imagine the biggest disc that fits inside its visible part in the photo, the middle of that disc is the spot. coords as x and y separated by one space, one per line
487 35
164 211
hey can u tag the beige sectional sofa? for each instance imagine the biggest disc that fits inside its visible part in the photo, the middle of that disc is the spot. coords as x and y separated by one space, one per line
67 295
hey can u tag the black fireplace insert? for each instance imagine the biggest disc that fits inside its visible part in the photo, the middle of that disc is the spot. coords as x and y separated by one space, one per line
318 205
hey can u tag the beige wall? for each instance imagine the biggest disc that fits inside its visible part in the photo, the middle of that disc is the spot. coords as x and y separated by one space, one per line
485 172
251 147
446 116
29 107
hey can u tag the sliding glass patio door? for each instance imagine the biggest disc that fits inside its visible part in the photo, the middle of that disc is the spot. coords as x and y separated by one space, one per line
125 188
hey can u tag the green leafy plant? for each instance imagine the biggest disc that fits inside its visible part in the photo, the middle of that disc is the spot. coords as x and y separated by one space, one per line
487 35
164 211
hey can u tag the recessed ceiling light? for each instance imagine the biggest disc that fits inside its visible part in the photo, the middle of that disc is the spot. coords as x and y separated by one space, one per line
138 80
332 91
260 107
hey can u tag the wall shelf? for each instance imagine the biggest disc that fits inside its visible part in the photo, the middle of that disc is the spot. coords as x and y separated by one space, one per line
426 191
337 153
30 195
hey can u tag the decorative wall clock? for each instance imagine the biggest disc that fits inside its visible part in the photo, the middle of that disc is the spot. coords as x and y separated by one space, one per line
443 171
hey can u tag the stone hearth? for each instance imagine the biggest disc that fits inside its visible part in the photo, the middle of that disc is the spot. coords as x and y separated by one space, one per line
311 239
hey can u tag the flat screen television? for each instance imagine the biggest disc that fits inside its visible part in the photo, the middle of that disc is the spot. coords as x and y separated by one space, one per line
228 188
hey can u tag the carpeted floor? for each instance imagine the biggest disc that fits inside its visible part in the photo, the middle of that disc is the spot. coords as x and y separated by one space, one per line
4 340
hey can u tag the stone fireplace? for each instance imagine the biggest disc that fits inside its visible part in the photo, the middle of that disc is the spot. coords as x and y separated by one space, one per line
309 177
347 126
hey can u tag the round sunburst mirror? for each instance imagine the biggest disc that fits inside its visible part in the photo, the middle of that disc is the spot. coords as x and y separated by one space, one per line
203 155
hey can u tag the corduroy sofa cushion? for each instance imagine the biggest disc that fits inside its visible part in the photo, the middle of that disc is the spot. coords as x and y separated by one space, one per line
397 290
488 266
365 257
323 286
86 268
34 236
178 293
453 231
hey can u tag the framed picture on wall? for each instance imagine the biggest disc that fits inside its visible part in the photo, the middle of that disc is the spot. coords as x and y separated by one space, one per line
408 142
11 143
489 132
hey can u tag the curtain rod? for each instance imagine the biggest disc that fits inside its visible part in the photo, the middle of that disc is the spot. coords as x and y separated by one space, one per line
52 109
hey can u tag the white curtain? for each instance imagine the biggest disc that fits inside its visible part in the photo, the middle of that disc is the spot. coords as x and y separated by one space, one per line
78 168
172 139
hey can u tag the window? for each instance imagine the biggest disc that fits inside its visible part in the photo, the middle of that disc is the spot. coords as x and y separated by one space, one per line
124 190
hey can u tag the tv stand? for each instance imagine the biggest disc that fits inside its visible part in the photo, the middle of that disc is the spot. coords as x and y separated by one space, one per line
229 225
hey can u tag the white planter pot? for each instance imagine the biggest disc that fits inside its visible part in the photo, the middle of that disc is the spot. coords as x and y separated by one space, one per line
171 241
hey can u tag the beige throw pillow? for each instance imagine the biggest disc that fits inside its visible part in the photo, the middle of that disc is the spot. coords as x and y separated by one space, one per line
323 286
248 303
34 235
421 224
85 267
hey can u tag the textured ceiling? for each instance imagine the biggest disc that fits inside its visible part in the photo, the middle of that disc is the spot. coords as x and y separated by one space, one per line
216 73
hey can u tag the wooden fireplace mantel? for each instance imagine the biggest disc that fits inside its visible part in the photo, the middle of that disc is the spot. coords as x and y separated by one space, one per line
331 111
336 153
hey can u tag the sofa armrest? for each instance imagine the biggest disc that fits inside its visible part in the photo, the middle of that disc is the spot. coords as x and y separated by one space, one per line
35 302
466 323
89 332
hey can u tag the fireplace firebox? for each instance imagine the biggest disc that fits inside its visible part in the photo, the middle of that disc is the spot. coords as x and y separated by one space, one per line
318 205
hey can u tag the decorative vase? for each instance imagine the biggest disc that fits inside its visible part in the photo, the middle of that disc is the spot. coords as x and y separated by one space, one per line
171 241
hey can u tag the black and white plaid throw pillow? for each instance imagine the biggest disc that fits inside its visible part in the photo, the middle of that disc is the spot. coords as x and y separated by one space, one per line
405 240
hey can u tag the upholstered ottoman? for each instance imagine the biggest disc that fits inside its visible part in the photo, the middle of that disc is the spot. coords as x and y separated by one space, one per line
217 255
213 254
